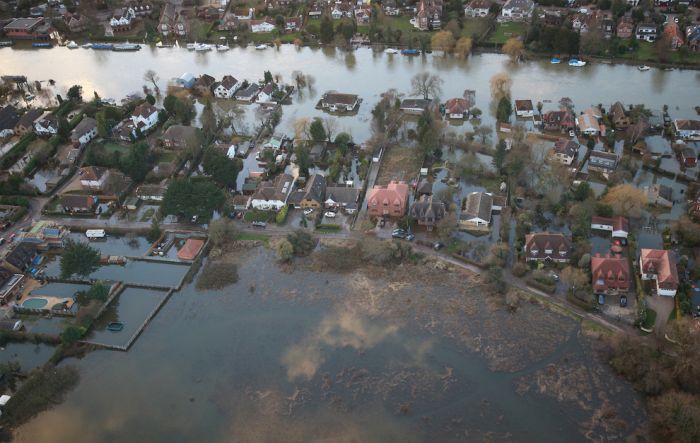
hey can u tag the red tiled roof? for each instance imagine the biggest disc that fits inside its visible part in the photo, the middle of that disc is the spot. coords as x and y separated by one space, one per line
190 249
610 273
660 263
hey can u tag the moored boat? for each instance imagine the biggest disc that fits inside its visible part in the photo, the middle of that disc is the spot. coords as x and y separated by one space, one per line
115 326
72 45
163 45
191 46
203 47
41 45
103 46
86 46
410 52
222 48
126 47
576 63
391 51
643 67
555 61
261 47
6 43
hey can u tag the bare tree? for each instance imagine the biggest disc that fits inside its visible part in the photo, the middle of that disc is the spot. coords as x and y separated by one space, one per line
483 132
299 79
310 82
152 76
500 86
426 84
636 130
330 124
301 128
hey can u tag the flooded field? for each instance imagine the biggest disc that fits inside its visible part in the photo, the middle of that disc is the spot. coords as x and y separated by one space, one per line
28 355
134 271
415 354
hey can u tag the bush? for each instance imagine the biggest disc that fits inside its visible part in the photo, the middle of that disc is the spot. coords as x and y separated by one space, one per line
17 151
285 251
281 216
519 269
217 275
328 227
302 242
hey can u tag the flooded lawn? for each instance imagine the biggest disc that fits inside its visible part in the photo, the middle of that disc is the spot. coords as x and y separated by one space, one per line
28 355
134 271
317 356
60 289
116 245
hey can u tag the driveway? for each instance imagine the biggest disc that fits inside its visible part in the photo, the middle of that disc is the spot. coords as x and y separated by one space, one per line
663 307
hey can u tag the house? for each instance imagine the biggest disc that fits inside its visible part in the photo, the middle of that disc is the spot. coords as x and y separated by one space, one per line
275 142
689 157
77 203
28 29
618 226
428 15
414 105
524 108
75 22
337 102
265 25
121 19
26 121
692 38
618 116
240 202
44 235
603 162
265 94
342 197
144 118
363 14
93 177
457 108
547 246
610 275
47 126
424 188
477 210
314 192
392 11
190 249
10 285
171 22
292 24
580 22
342 9
625 27
151 192
204 84
272 195
660 266
674 35
477 8
390 200
517 10
588 124
8 121
226 88
20 259
646 32
686 129
564 151
659 195
427 211
140 8
244 13
560 121
85 131
180 137
248 93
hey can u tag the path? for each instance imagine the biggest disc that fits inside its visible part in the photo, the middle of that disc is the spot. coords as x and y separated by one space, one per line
663 307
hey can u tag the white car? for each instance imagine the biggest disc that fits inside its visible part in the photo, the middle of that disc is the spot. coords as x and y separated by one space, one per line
572 134
308 211
330 214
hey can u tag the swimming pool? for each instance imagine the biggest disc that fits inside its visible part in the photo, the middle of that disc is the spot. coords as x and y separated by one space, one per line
35 303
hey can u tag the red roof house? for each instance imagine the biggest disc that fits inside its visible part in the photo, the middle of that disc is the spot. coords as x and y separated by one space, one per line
610 275
390 200
658 265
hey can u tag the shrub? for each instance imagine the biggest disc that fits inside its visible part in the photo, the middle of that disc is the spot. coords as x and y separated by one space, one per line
281 216
217 275
285 250
302 242
328 227
519 269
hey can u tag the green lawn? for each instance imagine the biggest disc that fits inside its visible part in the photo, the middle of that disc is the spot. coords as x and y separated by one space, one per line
474 26
256 215
507 30
402 23
111 148
166 156
269 37
647 53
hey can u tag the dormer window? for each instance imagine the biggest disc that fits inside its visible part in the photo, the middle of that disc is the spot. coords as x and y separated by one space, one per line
534 251
547 251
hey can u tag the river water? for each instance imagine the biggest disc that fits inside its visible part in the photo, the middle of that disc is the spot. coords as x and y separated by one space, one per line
364 72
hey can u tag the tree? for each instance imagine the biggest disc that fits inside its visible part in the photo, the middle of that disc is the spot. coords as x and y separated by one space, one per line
675 416
152 77
188 197
169 103
98 291
626 200
500 86
499 156
75 93
154 233
71 334
326 31
463 47
514 48
504 110
151 99
267 77
303 159
342 141
329 125
302 242
483 132
426 84
138 162
79 259
222 231
446 226
285 250
574 278
443 41
208 121
317 131
221 168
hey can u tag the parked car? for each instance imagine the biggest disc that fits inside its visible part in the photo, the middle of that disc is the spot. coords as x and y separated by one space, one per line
259 224
623 301
601 299
329 214
195 218
308 211
438 245
410 237
572 134
382 222
398 234
554 276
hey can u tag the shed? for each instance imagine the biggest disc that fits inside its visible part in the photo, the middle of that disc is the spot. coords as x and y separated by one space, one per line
190 249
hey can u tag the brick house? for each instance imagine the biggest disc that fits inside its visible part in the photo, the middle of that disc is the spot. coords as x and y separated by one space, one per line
390 200
610 275
547 247
658 265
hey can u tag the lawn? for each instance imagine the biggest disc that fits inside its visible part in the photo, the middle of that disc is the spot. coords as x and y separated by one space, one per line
474 26
504 31
111 148
400 163
256 215
647 53
650 319
402 23
148 214
166 156
269 37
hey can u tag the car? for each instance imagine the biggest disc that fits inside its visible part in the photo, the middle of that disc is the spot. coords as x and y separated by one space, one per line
382 222
623 301
601 299
308 211
398 233
195 218
554 276
675 19
329 214
259 224
2 240
572 134
410 237
438 245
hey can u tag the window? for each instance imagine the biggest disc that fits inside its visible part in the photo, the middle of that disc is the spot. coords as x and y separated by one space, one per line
534 251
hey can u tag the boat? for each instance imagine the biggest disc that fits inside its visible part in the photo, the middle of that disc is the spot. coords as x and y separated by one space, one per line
203 47
103 46
410 52
391 51
115 326
6 43
222 48
261 47
576 63
86 46
72 45
41 45
126 47
555 61
95 233
191 46
643 67
163 45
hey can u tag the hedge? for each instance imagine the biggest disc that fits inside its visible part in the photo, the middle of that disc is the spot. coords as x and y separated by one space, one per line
531 281
328 227
14 201
17 150
281 216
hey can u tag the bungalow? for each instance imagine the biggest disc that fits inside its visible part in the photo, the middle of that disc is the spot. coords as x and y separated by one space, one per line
93 177
342 197
20 259
26 122
248 93
265 25
204 84
8 121
524 108
603 162
658 265
77 203
121 19
275 142
477 8
477 210
689 157
457 108
517 10
547 246
10 285
151 192
75 22
618 226
685 129
427 212
588 123
673 34
180 137
265 94
337 102
47 126
273 195
28 28
292 24
144 117
625 27
414 105
646 32
226 88
85 131
565 151
390 200
610 275
561 121
314 192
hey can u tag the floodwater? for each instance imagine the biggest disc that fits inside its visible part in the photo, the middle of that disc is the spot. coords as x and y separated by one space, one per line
28 355
134 271
283 356
364 72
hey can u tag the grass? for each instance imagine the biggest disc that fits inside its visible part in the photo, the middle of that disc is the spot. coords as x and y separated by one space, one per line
647 52
217 275
402 23
256 215
148 214
650 319
507 30
474 26
269 37
246 236
591 326
111 148
166 156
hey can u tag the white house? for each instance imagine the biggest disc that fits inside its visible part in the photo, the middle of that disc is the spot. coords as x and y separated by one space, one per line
265 94
144 117
121 19
264 25
231 152
93 177
227 87
477 8
517 10
47 126
273 195
85 131
687 129
564 151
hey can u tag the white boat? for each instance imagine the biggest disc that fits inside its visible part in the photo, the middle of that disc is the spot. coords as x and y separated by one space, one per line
576 63
643 68
191 46
72 45
222 48
261 47
163 45
86 46
555 61
203 47
391 51
95 233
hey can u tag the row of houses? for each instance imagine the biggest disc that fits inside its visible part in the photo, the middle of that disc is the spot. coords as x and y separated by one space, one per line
229 88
